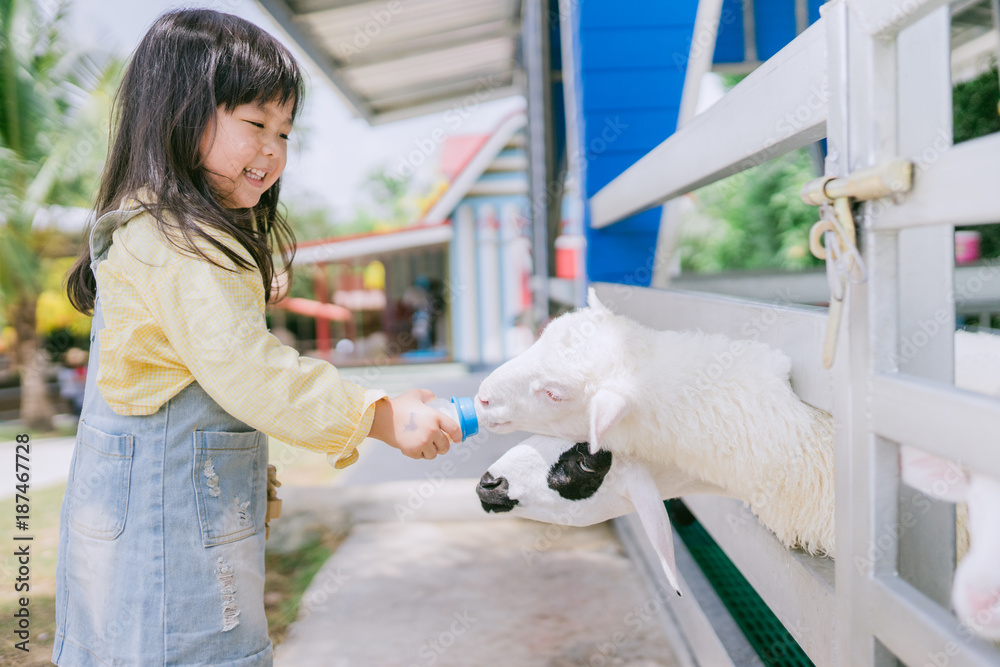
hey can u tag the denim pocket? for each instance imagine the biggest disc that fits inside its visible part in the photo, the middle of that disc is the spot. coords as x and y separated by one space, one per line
225 483
99 486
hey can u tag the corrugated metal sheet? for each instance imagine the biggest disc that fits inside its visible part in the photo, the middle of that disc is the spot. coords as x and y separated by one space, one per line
401 58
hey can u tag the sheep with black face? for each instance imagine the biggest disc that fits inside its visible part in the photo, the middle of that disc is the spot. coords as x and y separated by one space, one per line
558 481
561 482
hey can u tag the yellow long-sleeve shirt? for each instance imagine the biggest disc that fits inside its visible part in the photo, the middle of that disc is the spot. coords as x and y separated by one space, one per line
172 318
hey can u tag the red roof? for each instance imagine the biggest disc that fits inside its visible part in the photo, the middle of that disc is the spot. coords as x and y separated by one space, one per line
458 151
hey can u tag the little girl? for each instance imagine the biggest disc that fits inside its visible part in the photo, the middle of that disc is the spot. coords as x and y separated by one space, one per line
161 545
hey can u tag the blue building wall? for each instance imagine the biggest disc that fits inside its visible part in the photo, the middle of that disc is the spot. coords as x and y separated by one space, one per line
774 26
631 60
729 43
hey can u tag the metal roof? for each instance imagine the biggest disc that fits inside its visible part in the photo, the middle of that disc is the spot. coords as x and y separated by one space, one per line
403 58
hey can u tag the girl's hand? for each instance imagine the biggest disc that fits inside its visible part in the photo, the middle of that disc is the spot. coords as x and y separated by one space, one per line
416 429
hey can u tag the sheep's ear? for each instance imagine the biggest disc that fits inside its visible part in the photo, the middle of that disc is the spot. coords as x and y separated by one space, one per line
607 408
933 476
645 497
594 303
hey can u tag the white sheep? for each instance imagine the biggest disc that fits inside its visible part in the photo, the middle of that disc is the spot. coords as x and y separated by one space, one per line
737 427
645 397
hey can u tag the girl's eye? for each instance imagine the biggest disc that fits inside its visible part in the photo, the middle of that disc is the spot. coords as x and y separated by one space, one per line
261 126
584 467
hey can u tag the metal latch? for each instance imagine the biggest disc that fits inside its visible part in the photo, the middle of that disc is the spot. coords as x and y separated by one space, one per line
837 229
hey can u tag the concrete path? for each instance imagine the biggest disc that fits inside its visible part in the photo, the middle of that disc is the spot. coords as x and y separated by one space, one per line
450 586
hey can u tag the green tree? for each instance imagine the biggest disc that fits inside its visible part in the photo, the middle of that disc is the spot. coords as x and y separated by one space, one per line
311 223
383 205
386 195
753 220
53 138
976 108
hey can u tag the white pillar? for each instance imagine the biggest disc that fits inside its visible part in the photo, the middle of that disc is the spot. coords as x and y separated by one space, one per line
488 252
462 288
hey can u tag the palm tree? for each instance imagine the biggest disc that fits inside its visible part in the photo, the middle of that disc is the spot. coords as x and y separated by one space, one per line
53 117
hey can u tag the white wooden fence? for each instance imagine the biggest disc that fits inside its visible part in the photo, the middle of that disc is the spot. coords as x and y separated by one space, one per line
873 77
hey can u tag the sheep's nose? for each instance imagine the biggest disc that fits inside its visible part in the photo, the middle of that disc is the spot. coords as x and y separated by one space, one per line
490 482
492 492
482 400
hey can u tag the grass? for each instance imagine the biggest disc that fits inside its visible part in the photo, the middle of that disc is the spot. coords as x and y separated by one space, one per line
288 577
289 574
44 527
9 430
43 629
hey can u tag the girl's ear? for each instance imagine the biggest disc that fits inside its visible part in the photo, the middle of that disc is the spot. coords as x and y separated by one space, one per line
606 409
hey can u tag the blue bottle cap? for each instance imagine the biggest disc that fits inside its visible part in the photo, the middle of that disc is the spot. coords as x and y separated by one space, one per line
466 409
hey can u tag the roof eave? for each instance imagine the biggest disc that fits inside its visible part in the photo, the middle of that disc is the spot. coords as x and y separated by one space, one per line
282 15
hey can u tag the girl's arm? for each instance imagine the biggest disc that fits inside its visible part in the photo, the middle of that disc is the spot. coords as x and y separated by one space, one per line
214 320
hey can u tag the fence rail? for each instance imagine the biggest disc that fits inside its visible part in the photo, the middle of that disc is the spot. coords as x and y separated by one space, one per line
950 188
879 70
909 411
779 107
898 608
884 19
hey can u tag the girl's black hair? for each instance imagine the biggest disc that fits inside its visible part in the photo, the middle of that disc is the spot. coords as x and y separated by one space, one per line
189 63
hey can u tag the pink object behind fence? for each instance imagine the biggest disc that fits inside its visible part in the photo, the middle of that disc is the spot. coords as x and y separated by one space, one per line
966 247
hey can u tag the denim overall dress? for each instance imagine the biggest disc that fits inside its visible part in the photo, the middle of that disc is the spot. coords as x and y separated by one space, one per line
161 536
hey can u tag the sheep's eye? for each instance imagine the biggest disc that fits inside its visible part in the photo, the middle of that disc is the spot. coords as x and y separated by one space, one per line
552 396
577 474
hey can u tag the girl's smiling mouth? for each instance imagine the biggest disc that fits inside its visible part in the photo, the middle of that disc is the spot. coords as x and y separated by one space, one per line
255 176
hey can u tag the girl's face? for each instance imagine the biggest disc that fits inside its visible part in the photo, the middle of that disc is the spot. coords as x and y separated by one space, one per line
245 152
